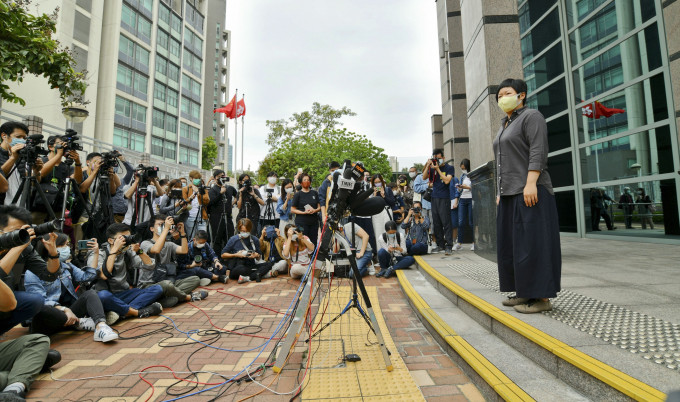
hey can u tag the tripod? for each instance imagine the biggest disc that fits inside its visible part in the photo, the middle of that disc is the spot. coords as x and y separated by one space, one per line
28 184
269 216
222 228
143 194
199 215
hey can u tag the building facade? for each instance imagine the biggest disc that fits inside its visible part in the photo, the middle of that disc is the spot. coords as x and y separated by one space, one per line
578 56
146 72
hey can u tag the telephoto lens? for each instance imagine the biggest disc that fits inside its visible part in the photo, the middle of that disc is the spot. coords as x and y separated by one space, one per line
47 227
129 240
13 239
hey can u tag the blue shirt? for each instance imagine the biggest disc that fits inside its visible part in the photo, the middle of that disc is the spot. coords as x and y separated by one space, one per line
284 214
322 191
234 244
207 255
420 186
453 190
51 291
439 189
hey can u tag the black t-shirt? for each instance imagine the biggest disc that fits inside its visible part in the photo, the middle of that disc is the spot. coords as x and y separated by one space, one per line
300 199
60 173
218 201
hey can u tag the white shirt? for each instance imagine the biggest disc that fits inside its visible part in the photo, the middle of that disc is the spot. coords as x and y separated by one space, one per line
466 193
392 243
276 194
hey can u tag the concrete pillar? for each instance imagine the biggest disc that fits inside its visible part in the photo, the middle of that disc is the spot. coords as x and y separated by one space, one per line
437 134
671 19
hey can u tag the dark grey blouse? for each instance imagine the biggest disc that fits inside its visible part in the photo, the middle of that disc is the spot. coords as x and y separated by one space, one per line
520 147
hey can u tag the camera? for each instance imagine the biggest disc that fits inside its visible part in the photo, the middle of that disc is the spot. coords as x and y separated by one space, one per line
248 185
109 160
129 240
223 181
176 194
416 210
33 150
14 238
70 138
270 192
47 227
147 172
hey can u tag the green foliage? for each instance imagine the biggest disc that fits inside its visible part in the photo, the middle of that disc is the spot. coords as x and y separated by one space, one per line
419 167
322 119
209 153
26 46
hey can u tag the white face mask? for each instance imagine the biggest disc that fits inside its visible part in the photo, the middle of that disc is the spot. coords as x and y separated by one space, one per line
272 180
294 237
244 235
440 160
159 230
412 174
199 245
378 184
289 190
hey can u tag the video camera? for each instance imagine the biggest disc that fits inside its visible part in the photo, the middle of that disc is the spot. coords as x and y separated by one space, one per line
109 160
147 172
70 138
248 185
33 150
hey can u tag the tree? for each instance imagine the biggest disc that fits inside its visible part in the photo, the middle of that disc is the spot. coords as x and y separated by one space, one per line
209 153
27 47
419 167
321 120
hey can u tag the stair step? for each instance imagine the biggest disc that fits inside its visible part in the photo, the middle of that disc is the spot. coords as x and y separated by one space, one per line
495 366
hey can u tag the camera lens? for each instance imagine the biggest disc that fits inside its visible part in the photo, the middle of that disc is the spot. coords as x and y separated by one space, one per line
13 239
47 227
129 240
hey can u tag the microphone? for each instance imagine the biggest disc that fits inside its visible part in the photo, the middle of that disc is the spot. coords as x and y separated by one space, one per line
372 206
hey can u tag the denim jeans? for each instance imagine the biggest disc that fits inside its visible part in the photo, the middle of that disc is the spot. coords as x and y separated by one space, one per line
28 305
385 259
362 263
135 298
416 249
196 271
464 213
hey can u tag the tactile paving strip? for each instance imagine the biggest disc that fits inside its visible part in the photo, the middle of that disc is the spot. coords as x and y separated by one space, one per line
652 338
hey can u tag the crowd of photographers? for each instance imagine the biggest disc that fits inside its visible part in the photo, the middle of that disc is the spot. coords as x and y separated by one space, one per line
82 247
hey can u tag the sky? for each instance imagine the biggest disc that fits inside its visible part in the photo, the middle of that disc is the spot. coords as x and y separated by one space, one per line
380 58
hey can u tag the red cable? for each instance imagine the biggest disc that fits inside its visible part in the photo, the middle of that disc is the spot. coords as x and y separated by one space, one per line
153 389
219 290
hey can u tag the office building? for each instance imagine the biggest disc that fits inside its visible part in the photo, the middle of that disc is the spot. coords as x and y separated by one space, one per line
576 56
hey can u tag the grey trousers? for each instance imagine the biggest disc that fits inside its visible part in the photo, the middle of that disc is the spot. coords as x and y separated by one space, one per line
180 289
22 359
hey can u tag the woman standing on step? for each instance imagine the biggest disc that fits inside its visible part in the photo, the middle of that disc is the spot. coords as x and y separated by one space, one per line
529 255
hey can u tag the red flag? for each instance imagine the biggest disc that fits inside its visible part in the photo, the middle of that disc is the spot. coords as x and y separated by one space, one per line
228 109
600 111
241 108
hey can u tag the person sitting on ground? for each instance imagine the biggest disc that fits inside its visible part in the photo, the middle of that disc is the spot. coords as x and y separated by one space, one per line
201 261
399 205
298 250
359 240
118 256
418 227
241 252
392 251
164 273
65 308
21 359
271 245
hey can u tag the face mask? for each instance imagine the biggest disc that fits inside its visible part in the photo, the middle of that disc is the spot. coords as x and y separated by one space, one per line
306 184
115 169
64 254
289 190
294 237
197 182
378 185
440 160
509 103
16 141
391 235
272 180
199 245
159 230
244 235
184 184
412 174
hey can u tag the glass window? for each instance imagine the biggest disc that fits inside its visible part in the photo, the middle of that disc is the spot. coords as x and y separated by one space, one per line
542 35
138 113
186 82
120 137
161 65
144 26
193 157
175 47
551 100
86 4
183 155
643 103
176 23
184 130
529 13
171 123
159 91
156 146
173 72
123 107
194 133
127 47
158 118
80 57
142 56
560 170
124 76
128 17
141 83
642 154
137 142
164 13
81 28
172 97
147 5
545 68
185 106
558 133
195 110
566 210
162 39
170 150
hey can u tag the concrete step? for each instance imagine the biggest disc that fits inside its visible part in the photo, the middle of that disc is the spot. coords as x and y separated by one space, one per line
590 363
489 358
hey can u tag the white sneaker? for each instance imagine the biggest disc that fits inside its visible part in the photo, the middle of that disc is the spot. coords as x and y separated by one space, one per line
472 247
243 279
105 334
371 270
85 324
112 317
457 247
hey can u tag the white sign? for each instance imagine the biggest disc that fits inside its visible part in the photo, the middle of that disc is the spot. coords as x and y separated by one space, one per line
345 184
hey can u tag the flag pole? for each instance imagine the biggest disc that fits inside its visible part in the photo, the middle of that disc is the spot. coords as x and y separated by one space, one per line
243 126
235 137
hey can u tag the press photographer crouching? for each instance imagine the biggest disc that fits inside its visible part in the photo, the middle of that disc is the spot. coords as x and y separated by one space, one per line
298 250
241 252
418 226
222 198
119 261
68 304
271 245
201 261
13 159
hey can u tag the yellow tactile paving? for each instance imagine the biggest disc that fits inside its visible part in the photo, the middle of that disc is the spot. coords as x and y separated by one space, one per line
367 378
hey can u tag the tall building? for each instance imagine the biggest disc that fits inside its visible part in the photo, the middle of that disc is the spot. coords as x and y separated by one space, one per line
147 76
577 55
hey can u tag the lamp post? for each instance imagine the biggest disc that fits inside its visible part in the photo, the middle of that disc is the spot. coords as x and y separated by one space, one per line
74 115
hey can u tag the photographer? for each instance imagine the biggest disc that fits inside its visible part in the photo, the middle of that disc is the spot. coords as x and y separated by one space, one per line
197 195
418 227
165 254
65 308
323 188
14 136
284 204
306 207
54 173
18 259
139 210
248 202
120 205
271 245
440 175
21 359
272 193
392 251
89 188
241 253
201 261
222 197
118 258
298 250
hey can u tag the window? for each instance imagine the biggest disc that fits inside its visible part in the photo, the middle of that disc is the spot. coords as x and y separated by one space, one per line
164 14
142 56
172 97
185 107
141 83
144 27
163 148
162 40
542 35
123 107
171 124
189 132
132 82
81 28
159 91
158 119
80 56
161 65
124 76
147 5
128 18
128 139
173 72
156 146
85 4
175 47
188 156
126 47
135 23
138 113
176 24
